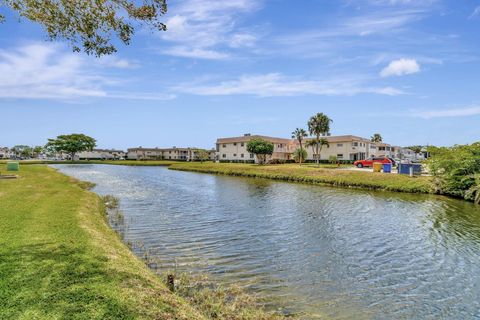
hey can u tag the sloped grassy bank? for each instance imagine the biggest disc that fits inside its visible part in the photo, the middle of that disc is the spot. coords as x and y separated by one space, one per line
59 259
314 175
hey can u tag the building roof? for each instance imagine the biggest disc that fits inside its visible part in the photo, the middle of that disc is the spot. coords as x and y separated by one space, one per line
247 138
345 138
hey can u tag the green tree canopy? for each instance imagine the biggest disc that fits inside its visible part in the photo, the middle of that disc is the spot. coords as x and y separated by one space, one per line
22 151
260 148
318 126
91 24
299 155
377 137
71 144
202 155
456 170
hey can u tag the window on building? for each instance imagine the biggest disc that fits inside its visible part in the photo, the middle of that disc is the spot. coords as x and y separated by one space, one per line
241 156
224 146
355 144
381 148
224 155
373 147
234 154
388 148
339 144
340 155
252 155
242 144
234 143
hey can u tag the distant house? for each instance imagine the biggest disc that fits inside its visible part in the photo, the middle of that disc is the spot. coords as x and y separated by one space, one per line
235 148
5 153
174 153
101 154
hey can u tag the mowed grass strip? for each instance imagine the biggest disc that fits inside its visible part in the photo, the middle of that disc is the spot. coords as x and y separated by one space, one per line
315 175
59 259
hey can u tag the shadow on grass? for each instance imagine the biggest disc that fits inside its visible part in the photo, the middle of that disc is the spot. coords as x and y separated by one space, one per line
59 281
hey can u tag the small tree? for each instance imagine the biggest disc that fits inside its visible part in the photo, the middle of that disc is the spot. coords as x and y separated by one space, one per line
22 151
318 126
376 137
71 144
202 155
317 145
36 151
299 134
299 155
261 149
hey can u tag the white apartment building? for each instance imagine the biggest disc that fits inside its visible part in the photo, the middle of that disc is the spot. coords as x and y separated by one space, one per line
174 153
235 149
101 154
346 147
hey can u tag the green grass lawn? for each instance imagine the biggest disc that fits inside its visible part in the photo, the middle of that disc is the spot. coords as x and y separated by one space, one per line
59 259
325 174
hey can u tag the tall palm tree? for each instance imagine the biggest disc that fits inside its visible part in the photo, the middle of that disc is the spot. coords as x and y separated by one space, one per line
318 126
376 137
299 134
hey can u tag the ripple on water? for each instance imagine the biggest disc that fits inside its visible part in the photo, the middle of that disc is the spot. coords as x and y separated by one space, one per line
312 250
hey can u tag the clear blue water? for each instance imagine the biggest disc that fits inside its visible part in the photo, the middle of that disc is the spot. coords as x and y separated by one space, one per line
309 250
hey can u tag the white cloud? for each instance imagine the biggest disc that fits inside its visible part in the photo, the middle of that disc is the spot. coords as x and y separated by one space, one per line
182 51
275 84
475 13
45 71
447 113
400 67
199 27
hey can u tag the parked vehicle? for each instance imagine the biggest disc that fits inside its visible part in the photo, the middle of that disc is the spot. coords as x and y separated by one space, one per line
369 162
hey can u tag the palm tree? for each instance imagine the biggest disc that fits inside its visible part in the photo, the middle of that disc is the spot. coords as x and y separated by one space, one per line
299 134
319 125
317 145
376 138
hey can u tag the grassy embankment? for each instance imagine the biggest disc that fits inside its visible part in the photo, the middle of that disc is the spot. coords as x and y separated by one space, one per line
315 175
114 162
59 259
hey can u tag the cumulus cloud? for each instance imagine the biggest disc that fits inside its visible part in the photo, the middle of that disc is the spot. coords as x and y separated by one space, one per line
276 85
400 67
45 71
448 113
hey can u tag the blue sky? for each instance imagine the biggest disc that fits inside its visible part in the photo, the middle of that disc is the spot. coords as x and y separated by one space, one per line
408 69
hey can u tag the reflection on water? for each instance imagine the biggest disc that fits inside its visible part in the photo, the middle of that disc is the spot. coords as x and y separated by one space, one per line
311 250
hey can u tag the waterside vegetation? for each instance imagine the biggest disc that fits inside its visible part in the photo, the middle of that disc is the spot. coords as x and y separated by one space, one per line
315 175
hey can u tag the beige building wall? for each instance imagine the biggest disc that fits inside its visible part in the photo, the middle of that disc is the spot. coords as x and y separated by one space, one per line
344 148
235 148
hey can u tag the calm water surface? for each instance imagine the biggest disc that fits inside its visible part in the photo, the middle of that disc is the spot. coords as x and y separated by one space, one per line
310 250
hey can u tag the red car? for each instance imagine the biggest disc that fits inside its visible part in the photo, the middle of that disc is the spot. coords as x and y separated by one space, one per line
369 162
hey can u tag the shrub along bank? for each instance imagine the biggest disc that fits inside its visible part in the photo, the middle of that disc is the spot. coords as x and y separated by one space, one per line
315 175
456 170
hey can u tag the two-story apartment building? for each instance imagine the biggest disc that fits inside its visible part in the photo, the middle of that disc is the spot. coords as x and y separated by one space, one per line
174 153
235 148
101 154
347 147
